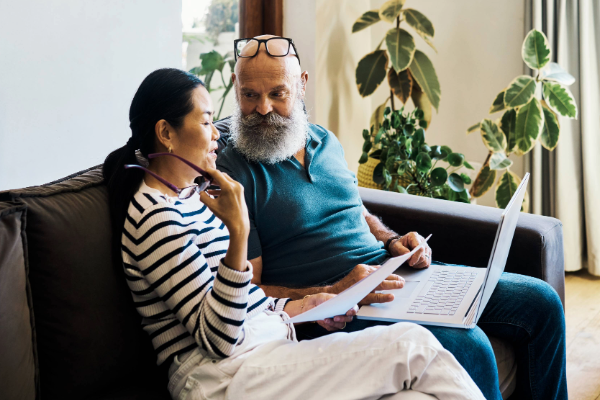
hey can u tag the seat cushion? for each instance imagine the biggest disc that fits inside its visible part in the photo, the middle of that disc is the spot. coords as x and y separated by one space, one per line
18 375
89 335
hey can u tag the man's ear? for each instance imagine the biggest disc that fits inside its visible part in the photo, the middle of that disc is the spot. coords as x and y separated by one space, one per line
304 77
164 133
233 77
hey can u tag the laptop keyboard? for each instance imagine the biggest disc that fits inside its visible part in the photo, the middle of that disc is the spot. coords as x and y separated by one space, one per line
443 293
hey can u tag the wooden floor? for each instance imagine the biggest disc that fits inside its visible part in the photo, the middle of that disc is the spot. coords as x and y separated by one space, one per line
583 335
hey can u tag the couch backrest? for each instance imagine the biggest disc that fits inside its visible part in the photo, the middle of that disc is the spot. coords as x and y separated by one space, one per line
89 338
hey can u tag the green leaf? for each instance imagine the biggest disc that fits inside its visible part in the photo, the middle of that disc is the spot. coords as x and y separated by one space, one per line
535 51
419 138
211 61
550 129
560 99
421 102
378 174
492 136
508 124
367 146
376 154
366 20
473 128
484 181
363 158
499 161
446 151
387 177
455 159
401 84
528 126
507 186
456 183
423 71
498 104
439 176
390 10
520 91
465 178
380 133
402 190
371 71
463 197
401 47
467 165
554 72
377 116
436 152
421 24
423 162
365 134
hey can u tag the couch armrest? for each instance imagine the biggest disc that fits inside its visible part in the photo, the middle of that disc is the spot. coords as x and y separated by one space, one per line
464 233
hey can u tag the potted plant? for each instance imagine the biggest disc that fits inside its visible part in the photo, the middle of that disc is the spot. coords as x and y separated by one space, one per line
406 164
211 63
411 74
529 106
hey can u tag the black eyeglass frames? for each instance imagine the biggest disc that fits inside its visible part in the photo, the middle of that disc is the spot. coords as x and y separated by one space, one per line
275 46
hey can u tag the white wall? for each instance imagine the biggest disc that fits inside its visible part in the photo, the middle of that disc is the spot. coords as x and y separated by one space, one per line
69 71
479 53
299 23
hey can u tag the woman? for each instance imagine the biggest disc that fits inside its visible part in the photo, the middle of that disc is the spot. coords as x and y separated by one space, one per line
184 257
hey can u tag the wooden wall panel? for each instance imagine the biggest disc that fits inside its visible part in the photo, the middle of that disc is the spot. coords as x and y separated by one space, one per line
260 17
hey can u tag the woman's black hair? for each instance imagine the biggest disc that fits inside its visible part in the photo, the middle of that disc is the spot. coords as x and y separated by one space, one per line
164 94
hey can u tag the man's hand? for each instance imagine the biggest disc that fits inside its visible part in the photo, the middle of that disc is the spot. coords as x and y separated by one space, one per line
421 259
359 272
297 307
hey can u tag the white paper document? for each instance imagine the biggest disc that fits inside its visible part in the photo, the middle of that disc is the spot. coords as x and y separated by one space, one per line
340 304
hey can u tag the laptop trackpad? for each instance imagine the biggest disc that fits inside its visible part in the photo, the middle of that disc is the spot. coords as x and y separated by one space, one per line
405 292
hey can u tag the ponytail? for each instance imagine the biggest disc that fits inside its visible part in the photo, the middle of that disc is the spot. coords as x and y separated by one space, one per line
164 94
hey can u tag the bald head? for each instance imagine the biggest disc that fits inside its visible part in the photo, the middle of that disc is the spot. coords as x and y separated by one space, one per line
289 64
264 83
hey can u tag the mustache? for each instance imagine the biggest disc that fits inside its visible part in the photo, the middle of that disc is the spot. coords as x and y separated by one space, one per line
272 119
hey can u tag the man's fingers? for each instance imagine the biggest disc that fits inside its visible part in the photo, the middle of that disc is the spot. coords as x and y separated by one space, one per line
390 285
377 298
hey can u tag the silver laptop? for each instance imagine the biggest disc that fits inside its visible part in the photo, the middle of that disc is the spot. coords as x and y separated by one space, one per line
446 295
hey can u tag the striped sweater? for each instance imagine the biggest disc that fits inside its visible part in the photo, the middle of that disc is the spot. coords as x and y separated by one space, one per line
172 255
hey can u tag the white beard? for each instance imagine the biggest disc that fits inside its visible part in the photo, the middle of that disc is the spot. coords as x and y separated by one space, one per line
278 140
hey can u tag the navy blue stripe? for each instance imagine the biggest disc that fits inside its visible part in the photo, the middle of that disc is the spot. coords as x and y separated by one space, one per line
137 225
215 348
160 261
165 328
214 253
228 303
137 205
195 307
161 315
211 219
166 240
253 289
258 303
220 334
172 342
170 273
232 284
150 198
229 321
138 241
188 298
181 284
215 240
146 303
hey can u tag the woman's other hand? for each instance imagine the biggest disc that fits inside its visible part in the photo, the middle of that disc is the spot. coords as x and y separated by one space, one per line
296 307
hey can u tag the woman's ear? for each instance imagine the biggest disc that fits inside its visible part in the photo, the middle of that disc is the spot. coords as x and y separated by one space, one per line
164 133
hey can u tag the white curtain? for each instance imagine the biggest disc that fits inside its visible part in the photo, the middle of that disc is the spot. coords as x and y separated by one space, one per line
566 182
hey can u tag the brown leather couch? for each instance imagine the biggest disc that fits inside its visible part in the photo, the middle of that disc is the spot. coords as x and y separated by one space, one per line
68 329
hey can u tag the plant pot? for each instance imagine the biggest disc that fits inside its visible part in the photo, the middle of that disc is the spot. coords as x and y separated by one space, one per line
365 174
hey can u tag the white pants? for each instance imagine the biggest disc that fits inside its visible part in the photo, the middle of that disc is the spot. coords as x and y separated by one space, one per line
367 364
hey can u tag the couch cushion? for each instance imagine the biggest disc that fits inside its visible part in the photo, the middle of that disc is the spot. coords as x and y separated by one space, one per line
89 335
18 375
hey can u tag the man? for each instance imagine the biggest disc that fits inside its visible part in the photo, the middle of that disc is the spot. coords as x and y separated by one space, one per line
310 232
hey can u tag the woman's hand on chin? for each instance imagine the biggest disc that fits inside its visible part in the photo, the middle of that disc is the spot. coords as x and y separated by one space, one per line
296 307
